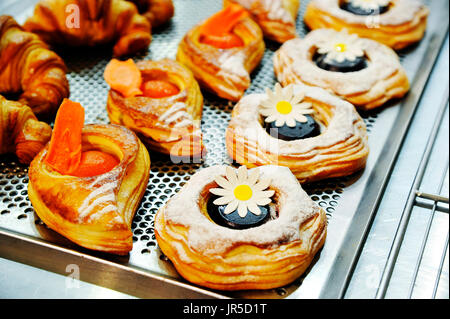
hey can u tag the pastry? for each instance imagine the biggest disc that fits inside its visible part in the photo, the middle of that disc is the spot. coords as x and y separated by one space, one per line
277 18
157 12
28 68
163 104
314 133
90 23
231 229
222 51
86 184
20 132
362 71
395 23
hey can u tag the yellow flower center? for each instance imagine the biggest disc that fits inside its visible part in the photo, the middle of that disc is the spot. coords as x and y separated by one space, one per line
340 47
243 192
284 107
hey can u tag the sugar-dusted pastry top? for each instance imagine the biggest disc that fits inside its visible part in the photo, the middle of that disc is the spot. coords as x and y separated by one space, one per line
401 12
293 204
273 8
383 62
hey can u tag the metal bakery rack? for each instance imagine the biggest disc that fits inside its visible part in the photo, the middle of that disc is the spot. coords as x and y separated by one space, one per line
351 203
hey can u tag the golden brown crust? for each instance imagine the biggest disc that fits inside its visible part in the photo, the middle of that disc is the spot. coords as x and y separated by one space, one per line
99 211
157 12
268 256
168 125
225 72
403 25
20 132
28 67
91 23
340 150
382 80
275 17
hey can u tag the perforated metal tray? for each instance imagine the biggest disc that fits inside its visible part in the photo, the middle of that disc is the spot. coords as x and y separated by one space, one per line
350 202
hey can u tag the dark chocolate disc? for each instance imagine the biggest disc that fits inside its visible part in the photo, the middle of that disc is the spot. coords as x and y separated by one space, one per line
350 7
300 131
233 220
345 66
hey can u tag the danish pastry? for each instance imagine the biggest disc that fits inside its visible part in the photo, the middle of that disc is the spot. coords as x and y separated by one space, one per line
314 133
20 132
395 23
231 229
165 109
222 51
157 12
87 182
90 23
362 71
276 18
29 68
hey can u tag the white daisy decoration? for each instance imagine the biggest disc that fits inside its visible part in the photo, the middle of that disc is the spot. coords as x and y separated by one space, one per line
343 47
369 4
242 191
284 107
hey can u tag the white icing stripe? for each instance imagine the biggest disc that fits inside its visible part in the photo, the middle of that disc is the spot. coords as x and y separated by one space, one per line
233 63
104 210
86 207
177 112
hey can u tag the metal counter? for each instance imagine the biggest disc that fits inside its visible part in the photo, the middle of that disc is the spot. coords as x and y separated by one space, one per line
388 238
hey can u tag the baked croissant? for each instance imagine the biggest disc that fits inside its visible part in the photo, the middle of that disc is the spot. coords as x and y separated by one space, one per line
94 210
28 67
275 17
91 23
157 12
168 124
222 54
20 132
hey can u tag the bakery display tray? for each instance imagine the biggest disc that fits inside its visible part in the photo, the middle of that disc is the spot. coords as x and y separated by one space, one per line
350 203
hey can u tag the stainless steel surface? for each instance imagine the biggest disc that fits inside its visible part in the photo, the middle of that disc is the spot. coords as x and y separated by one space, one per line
144 273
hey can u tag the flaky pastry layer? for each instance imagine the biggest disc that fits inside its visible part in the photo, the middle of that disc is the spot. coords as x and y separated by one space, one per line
340 150
167 125
268 256
225 72
402 25
382 80
94 212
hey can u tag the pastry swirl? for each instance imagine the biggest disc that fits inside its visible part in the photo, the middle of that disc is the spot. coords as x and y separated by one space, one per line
275 17
341 148
169 125
90 23
225 72
157 12
263 257
28 67
94 212
402 25
382 80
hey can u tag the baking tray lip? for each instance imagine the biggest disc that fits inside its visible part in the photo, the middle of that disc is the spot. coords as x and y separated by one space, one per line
336 290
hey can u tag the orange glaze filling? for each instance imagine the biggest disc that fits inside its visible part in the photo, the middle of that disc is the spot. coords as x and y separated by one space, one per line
217 30
65 153
159 89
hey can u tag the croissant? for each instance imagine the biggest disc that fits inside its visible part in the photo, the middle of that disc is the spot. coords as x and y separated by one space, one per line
91 23
167 124
28 67
20 132
93 206
222 51
157 12
275 17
